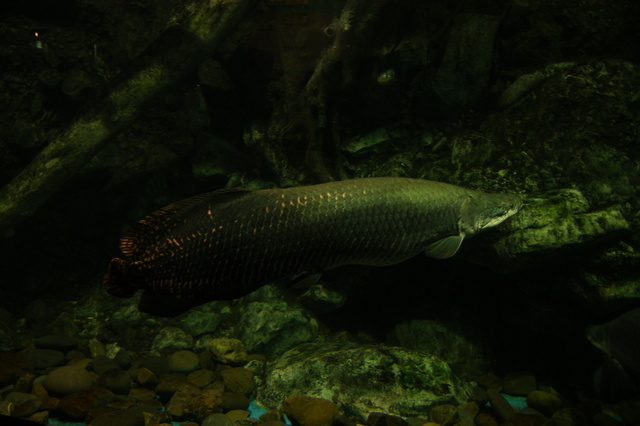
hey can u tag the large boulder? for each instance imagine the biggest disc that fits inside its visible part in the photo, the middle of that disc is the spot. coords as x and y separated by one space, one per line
362 379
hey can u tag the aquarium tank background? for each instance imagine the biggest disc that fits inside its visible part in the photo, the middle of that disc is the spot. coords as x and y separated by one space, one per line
113 110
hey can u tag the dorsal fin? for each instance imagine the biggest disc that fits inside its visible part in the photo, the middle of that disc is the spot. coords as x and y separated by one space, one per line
149 230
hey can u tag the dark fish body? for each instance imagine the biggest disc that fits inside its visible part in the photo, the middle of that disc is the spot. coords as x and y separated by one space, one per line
226 244
620 340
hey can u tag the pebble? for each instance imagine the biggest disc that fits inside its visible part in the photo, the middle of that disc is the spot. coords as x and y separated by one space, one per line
228 351
271 416
61 342
191 402
66 380
158 365
27 408
486 419
102 363
123 359
183 362
234 401
308 411
500 405
74 354
24 383
342 420
527 420
128 417
48 402
168 384
237 414
519 383
146 378
116 380
381 419
239 380
218 419
201 378
40 418
142 394
490 380
77 405
6 408
568 417
443 414
545 402
44 358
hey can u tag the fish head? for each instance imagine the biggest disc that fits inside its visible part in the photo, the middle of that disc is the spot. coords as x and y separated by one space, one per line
481 211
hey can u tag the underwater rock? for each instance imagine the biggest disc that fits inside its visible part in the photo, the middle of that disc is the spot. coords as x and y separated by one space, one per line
558 224
272 328
501 406
76 406
382 419
320 299
201 378
451 342
171 338
234 401
203 319
116 380
445 414
61 342
183 362
127 417
519 383
44 358
75 81
611 277
12 367
67 380
464 72
215 159
545 402
308 411
239 380
228 351
218 419
102 363
211 74
157 364
238 414
146 378
355 375
192 403
370 139
169 384
127 317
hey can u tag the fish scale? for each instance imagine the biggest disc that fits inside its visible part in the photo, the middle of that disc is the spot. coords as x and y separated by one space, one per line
227 243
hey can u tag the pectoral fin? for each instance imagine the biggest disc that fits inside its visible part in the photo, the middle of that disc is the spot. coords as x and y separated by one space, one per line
446 247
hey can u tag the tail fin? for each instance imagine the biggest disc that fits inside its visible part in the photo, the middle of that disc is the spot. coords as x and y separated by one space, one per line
117 279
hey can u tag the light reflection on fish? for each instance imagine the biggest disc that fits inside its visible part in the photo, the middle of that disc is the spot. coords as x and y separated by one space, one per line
226 244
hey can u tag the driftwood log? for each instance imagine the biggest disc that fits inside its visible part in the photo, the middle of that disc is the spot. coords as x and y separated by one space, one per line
205 25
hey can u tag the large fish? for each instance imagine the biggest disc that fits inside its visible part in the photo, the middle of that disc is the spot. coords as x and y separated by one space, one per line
225 244
619 339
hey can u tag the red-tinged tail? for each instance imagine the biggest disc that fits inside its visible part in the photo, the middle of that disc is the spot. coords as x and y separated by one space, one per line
118 280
